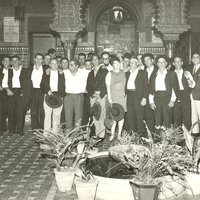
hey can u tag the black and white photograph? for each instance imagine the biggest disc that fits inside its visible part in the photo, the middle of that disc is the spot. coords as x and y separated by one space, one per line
99 99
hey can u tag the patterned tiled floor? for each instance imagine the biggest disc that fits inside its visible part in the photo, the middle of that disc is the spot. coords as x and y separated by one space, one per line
25 175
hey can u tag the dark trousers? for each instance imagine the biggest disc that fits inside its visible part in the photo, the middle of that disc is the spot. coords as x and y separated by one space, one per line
3 111
162 111
149 117
86 109
135 113
37 109
16 112
182 111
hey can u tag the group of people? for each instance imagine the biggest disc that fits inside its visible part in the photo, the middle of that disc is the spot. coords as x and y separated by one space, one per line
154 90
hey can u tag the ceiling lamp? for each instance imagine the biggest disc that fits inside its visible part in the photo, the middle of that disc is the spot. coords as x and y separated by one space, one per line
19 12
118 14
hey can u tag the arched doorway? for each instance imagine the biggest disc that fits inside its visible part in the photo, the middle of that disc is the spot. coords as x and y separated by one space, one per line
114 36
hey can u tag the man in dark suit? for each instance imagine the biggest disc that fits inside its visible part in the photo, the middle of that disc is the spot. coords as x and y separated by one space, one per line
3 95
151 69
35 74
163 93
195 97
137 94
182 106
17 80
96 88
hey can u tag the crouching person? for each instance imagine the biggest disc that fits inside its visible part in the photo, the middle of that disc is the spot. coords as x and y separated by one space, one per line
53 85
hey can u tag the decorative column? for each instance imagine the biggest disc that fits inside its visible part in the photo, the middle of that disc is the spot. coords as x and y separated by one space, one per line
67 23
171 21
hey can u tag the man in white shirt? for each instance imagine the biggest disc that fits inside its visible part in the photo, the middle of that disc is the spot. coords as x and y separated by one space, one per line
137 93
3 95
182 107
163 93
35 74
75 86
53 84
195 97
17 80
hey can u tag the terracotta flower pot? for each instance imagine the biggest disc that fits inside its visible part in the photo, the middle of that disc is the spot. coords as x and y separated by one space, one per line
145 192
64 179
86 190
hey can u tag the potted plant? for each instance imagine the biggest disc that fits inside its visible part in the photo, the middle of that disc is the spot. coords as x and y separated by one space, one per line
167 161
154 170
193 145
86 185
63 153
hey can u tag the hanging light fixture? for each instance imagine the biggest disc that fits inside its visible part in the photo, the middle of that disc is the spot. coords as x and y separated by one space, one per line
20 12
118 13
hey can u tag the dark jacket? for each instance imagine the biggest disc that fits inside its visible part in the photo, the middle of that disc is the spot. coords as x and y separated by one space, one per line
22 79
97 83
171 82
151 76
196 89
187 89
141 84
45 84
29 73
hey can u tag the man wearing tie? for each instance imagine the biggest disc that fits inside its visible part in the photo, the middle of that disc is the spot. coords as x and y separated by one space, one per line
195 97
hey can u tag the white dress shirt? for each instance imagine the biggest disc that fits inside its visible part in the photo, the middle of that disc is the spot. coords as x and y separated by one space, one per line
131 80
54 80
160 81
36 76
5 78
180 75
196 68
160 86
75 83
15 78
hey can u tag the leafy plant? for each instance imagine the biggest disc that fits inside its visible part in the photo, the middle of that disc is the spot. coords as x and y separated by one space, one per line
62 145
163 158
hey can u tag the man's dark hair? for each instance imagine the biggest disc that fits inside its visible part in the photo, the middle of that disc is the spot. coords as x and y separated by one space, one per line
81 54
150 55
177 56
90 54
104 52
15 56
96 56
51 51
88 60
164 57
6 56
75 60
127 55
64 58
114 58
39 54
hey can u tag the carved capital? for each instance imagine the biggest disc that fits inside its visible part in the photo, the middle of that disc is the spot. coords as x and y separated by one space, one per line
66 16
171 11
